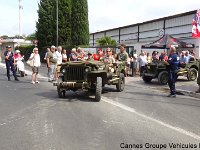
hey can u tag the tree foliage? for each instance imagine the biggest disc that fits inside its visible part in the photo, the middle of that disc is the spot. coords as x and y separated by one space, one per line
73 23
80 23
31 37
106 41
46 25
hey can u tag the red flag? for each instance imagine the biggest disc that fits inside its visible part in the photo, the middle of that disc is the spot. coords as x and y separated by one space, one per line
196 25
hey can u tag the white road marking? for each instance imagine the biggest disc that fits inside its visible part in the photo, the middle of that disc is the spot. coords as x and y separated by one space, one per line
124 107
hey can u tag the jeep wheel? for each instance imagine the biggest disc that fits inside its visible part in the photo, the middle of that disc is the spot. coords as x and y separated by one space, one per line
146 78
163 77
61 92
192 74
98 89
121 83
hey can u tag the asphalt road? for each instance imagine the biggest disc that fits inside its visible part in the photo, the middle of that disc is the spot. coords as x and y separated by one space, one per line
32 117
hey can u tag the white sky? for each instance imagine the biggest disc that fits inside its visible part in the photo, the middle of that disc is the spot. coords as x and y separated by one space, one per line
103 14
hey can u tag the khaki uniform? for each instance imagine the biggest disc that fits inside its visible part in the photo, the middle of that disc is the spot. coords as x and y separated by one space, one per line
198 78
108 60
122 56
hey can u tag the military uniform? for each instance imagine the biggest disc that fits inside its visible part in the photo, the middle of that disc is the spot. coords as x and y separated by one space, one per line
172 70
122 56
108 60
10 64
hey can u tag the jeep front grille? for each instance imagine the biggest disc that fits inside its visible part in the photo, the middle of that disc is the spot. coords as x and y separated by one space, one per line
74 73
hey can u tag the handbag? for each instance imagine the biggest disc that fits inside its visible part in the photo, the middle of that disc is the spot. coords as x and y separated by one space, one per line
30 62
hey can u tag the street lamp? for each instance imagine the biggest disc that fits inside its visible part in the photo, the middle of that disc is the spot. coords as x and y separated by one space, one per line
56 23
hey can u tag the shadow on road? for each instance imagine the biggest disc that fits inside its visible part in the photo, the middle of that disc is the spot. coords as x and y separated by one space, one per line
70 96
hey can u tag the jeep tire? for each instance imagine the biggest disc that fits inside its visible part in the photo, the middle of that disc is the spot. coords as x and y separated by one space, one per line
121 83
146 78
163 77
192 74
61 92
98 90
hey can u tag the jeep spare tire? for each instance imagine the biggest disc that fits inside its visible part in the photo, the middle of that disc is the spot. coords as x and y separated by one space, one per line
163 77
98 89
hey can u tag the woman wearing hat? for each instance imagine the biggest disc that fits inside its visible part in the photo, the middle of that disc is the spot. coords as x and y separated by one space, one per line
35 57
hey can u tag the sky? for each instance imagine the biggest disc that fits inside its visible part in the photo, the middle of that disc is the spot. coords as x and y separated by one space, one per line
103 14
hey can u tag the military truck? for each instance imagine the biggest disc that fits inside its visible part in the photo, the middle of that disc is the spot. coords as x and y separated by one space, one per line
158 69
90 76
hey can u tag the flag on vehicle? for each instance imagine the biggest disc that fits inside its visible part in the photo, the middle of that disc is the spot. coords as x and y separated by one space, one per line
196 25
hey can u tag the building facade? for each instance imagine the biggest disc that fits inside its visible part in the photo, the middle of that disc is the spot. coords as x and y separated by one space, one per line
179 26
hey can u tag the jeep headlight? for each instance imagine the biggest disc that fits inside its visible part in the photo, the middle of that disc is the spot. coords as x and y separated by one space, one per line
87 69
101 68
63 70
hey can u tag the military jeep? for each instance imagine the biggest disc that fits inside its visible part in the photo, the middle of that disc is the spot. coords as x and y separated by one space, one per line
158 69
90 76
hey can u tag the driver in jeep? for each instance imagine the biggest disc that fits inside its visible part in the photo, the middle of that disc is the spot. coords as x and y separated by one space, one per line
109 59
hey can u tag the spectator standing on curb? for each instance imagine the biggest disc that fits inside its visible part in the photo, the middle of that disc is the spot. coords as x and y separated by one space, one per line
134 67
35 56
48 50
149 58
51 63
173 63
59 61
9 60
142 62
64 56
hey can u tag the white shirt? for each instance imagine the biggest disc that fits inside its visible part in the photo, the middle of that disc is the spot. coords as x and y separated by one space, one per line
59 57
142 60
36 60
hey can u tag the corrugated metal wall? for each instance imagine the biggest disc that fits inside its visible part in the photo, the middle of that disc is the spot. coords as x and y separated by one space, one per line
178 26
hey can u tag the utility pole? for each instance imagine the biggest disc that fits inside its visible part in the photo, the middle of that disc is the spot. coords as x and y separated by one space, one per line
56 23
20 27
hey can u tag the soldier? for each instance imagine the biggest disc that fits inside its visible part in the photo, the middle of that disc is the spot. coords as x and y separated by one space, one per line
198 79
173 63
122 55
9 59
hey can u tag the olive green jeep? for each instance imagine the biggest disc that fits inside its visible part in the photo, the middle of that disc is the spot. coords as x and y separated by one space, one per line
158 69
90 76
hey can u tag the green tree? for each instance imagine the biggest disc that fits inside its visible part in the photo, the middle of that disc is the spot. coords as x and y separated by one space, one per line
45 27
64 22
80 23
31 37
106 41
